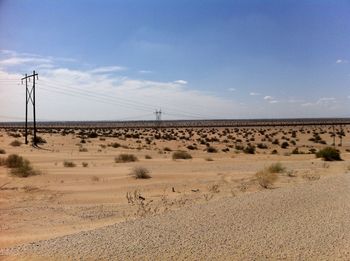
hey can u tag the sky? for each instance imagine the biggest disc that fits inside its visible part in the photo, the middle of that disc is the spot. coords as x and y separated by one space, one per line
193 59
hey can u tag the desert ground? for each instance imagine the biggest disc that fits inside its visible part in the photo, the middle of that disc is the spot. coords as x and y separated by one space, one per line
85 202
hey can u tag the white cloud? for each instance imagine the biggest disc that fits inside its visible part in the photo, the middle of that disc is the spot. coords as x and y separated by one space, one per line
341 61
145 71
326 100
268 98
22 60
254 94
181 82
273 101
108 69
232 89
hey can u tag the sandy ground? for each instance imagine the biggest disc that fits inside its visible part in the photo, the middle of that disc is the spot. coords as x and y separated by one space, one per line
64 201
303 222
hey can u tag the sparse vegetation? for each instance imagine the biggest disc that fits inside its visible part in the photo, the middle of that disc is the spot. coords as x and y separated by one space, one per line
250 149
266 178
329 154
148 157
38 140
140 173
69 164
123 158
276 168
181 155
85 164
211 149
19 166
16 143
2 151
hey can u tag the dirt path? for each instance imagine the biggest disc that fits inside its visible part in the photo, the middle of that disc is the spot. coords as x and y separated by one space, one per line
309 221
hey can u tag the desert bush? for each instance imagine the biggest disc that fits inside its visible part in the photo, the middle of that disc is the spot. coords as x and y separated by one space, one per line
140 173
276 168
83 149
2 151
148 157
122 158
274 152
295 151
211 149
93 135
191 147
95 178
266 178
115 145
209 159
19 166
85 164
16 143
69 164
38 140
284 145
181 155
249 149
329 154
262 146
167 149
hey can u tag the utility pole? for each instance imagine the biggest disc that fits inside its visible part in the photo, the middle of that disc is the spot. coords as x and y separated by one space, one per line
30 96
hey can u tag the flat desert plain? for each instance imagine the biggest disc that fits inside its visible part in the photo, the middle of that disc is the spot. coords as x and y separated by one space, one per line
86 187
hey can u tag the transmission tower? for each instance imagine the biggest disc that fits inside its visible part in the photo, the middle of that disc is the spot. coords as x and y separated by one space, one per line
158 114
30 97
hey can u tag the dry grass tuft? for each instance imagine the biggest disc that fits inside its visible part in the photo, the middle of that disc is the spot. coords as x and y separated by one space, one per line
266 179
16 143
181 155
19 166
69 164
122 158
140 173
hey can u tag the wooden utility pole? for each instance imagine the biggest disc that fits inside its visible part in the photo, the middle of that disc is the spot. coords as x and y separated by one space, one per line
30 96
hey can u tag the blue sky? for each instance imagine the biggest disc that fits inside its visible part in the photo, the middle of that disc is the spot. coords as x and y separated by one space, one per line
193 59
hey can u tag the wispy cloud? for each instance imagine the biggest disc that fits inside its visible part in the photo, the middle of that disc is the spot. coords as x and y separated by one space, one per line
182 82
324 102
341 61
254 94
22 60
268 97
108 69
231 89
145 71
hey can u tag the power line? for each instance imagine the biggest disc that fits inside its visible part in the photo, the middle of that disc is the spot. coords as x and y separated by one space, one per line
121 101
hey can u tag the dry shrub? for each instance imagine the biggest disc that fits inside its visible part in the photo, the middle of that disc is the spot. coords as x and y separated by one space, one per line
19 166
2 151
276 168
181 155
266 178
329 154
95 178
122 158
148 157
85 164
69 164
140 173
16 143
